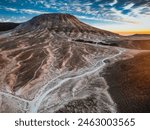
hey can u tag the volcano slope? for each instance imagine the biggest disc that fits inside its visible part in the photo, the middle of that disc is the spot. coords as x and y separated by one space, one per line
54 63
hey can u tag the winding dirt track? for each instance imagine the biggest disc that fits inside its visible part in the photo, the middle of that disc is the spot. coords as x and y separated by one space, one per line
35 104
43 55
42 93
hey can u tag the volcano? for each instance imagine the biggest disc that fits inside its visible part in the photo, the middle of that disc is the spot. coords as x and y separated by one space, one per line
54 63
43 53
65 25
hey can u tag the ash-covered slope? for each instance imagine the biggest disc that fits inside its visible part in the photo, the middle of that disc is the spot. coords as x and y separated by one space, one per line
65 25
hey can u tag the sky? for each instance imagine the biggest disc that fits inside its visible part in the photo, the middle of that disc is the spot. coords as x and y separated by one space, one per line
121 16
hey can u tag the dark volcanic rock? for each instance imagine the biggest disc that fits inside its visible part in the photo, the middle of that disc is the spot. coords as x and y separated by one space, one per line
7 26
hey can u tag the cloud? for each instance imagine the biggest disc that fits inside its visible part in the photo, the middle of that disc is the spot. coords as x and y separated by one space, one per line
30 11
10 9
140 11
113 3
129 6
27 11
13 19
101 20
118 15
5 19
14 1
109 11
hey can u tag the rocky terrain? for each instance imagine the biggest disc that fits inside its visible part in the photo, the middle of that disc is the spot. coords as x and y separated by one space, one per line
54 63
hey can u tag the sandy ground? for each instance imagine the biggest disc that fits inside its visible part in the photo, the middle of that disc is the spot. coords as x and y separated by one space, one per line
129 83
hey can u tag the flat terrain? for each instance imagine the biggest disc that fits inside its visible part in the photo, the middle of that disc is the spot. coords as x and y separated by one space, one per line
129 83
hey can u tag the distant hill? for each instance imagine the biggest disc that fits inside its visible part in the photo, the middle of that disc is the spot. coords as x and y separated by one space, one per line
7 26
140 35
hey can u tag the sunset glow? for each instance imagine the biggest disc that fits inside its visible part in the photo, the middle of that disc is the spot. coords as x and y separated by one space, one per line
133 32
